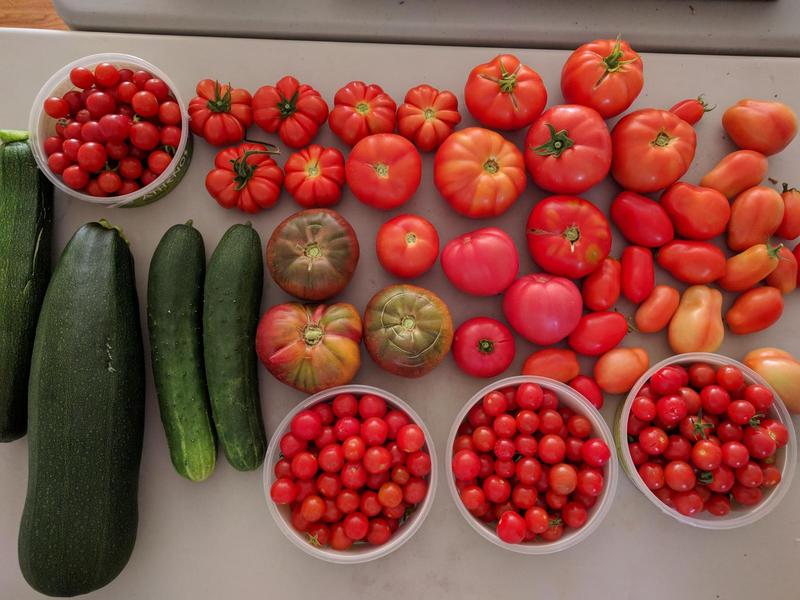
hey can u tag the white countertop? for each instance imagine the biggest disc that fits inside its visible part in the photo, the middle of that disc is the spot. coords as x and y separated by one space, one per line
217 540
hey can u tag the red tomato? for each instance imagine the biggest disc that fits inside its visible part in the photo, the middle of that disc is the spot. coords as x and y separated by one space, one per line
384 170
245 177
219 113
755 310
698 213
427 116
588 387
511 527
504 93
652 149
641 220
556 363
568 236
482 262
655 313
784 277
790 226
294 110
692 262
407 245
638 273
541 308
756 214
692 110
766 126
568 149
618 369
360 110
746 269
598 332
483 347
605 75
736 172
601 289
315 176
479 172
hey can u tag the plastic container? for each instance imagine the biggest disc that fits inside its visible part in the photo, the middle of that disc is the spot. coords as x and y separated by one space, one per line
786 457
358 553
40 126
575 401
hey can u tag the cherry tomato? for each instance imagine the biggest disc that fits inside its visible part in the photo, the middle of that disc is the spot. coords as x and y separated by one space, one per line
706 455
144 135
642 221
718 505
766 126
109 182
678 448
338 538
57 108
483 347
407 245
671 410
653 440
638 273
777 431
169 113
145 104
771 476
92 157
81 77
759 442
562 478
687 503
511 527
652 475
551 449
595 452
601 289
528 471
698 213
57 162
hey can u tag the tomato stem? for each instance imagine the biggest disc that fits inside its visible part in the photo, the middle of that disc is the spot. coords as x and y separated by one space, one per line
572 234
408 322
705 477
312 169
662 139
491 166
312 334
312 250
429 114
485 346
288 107
362 107
411 238
705 105
382 169
222 101
243 169
558 142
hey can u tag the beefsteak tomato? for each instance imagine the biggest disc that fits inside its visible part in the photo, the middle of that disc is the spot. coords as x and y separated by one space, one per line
746 269
541 308
692 262
756 214
641 220
483 262
427 116
315 176
782 372
360 110
697 324
736 172
245 177
598 332
766 126
483 347
617 370
219 113
556 363
790 225
407 245
755 310
638 273
294 110
698 213
655 313
601 289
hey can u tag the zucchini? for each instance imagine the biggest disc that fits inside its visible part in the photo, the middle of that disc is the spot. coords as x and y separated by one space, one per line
175 321
26 223
230 315
86 420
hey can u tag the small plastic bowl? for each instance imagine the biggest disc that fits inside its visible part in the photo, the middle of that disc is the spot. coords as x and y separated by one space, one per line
358 553
40 126
786 457
579 404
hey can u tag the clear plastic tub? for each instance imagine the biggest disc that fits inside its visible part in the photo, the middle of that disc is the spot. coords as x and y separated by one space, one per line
579 404
739 517
40 126
358 553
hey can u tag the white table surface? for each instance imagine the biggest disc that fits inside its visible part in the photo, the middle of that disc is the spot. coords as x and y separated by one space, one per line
217 540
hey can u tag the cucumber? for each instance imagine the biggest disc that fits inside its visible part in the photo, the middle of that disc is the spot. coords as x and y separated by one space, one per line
86 420
230 315
175 321
26 223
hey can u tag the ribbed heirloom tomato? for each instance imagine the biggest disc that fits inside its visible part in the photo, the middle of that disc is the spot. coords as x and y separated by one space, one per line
482 262
292 109
219 113
543 309
483 347
360 110
245 177
315 176
407 245
384 170
427 116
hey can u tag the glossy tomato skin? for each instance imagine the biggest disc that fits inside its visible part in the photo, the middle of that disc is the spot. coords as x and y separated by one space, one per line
479 172
315 176
655 313
652 149
360 110
755 310
556 363
638 273
483 347
756 214
605 75
245 177
294 110
541 308
504 93
746 269
697 324
383 170
601 289
641 220
692 110
220 114
736 172
407 245
766 126
568 236
698 213
568 149
427 116
692 262
781 371
588 387
617 370
784 277
790 226
598 332
483 262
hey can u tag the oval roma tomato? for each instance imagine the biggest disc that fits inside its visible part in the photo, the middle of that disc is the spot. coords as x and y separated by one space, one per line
568 236
479 172
384 170
360 110
638 273
407 245
755 310
617 370
746 269
313 254
652 149
692 110
697 324
601 289
294 110
315 176
605 75
782 372
641 220
568 149
790 226
407 330
784 277
310 347
245 177
541 308
766 126
427 116
556 363
692 262
655 313
483 262
736 172
505 94
219 113
483 347
598 332
698 213
756 214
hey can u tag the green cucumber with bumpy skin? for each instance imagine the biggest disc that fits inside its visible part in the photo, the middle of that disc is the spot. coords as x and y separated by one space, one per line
175 322
231 304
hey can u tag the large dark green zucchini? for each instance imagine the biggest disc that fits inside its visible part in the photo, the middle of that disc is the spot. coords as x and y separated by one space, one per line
175 321
86 420
230 316
26 220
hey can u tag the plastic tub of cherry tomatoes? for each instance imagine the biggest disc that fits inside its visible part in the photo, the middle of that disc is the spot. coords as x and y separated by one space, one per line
530 465
350 474
709 442
111 129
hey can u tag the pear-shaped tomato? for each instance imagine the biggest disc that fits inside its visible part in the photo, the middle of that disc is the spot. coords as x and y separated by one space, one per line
746 269
697 324
766 126
782 372
655 313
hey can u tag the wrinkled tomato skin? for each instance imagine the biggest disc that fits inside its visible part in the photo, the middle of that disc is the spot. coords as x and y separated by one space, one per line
698 213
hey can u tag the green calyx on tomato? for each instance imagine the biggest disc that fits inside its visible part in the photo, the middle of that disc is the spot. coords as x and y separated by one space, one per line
613 62
362 108
411 238
221 102
662 140
506 82
558 142
288 107
312 334
429 114
244 170
705 477
312 250
706 106
485 346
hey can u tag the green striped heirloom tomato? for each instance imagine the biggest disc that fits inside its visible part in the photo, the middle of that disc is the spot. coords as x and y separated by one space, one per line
294 110
310 347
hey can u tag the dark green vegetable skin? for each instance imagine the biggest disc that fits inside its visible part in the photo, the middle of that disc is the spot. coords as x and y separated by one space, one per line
26 222
175 321
230 316
86 420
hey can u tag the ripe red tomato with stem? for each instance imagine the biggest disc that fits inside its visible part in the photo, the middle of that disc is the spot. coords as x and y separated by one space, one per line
692 110
219 113
360 110
383 170
315 176
407 245
294 110
483 347
245 177
427 116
